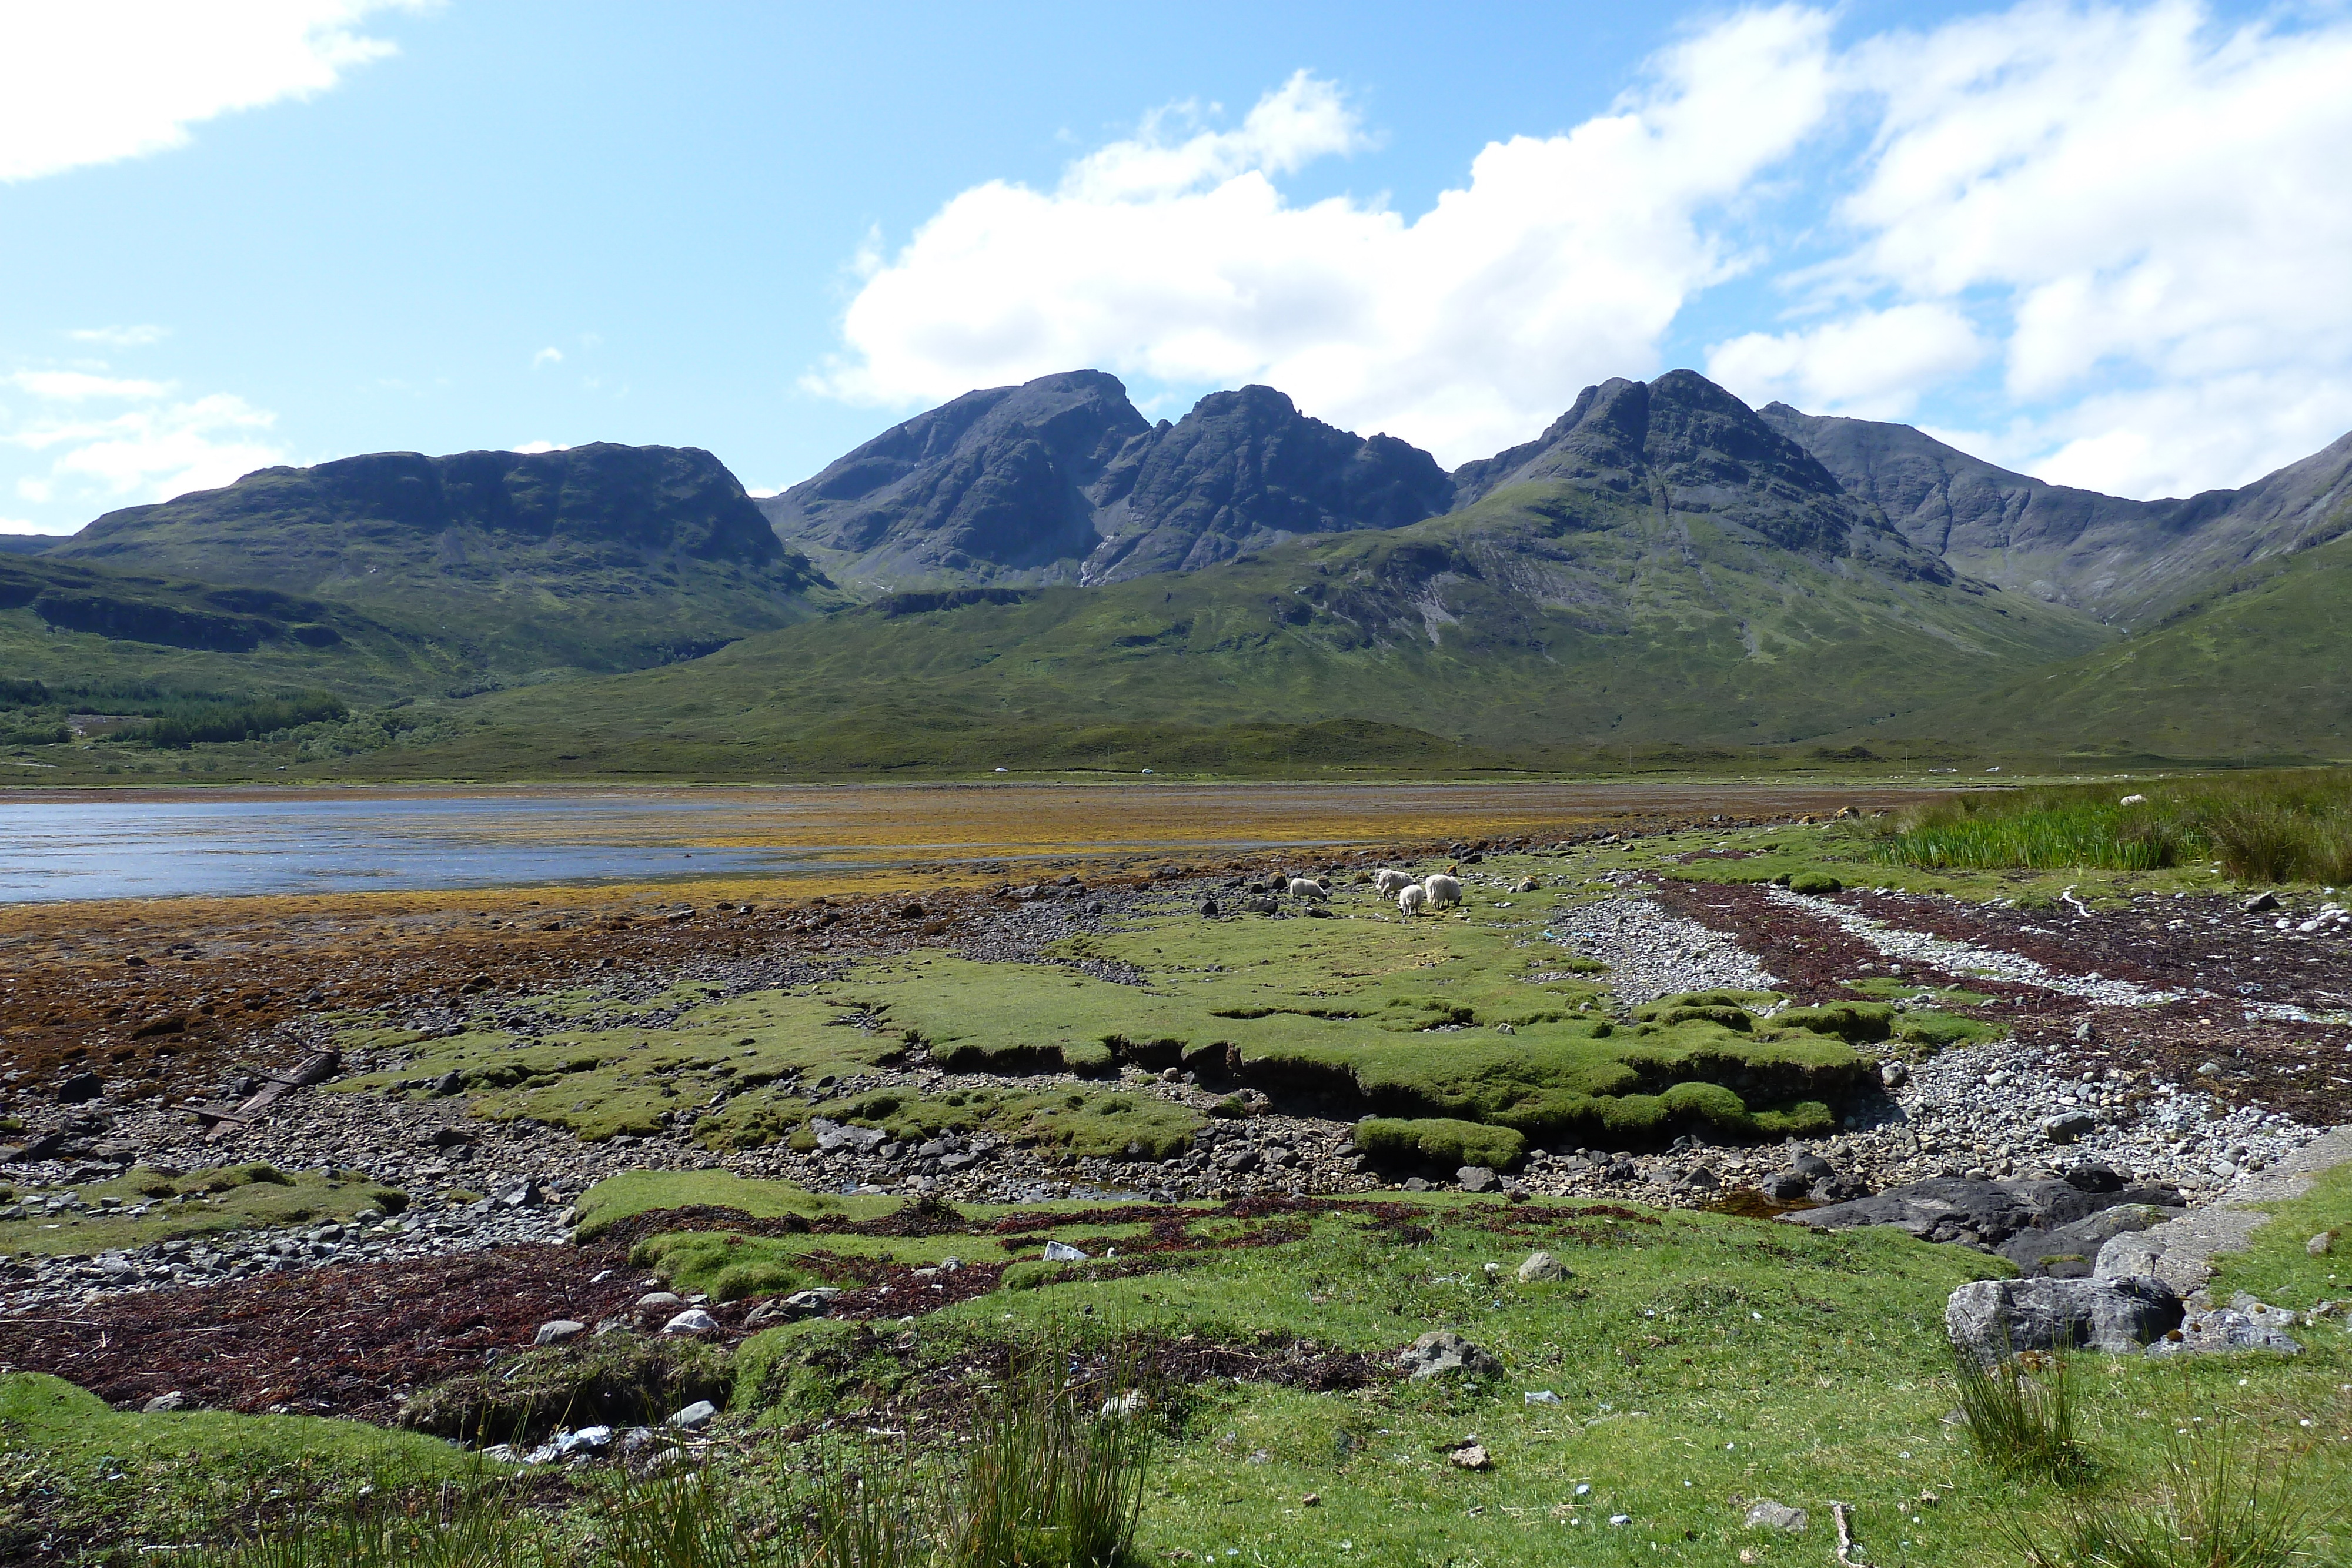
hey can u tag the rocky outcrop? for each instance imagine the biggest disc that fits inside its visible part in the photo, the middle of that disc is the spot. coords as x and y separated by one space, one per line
1062 480
1989 1214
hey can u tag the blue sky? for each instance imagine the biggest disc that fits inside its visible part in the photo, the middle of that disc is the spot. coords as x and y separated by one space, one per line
770 231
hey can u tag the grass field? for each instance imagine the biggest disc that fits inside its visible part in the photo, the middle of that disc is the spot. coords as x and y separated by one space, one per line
1687 1365
2260 827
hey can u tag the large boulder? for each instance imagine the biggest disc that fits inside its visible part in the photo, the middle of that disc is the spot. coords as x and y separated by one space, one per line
1989 1319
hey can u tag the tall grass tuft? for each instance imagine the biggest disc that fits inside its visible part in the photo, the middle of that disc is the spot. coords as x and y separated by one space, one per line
1056 1474
2225 1503
2288 826
457 1524
2020 1413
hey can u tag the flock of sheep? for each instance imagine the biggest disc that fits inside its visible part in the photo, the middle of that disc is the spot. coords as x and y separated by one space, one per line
1431 893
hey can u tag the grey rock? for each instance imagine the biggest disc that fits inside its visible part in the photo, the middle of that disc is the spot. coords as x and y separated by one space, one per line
2224 1329
450 1083
695 1417
562 1331
2066 1128
693 1321
1766 1514
1442 1351
1894 1075
1978 1212
2261 903
1063 1252
653 1303
2321 1245
1539 1268
165 1404
82 1089
2072 1251
1990 1318
1476 1178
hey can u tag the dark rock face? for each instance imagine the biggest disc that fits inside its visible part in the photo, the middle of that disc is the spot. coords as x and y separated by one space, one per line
2125 559
1246 469
1684 444
1061 480
996 479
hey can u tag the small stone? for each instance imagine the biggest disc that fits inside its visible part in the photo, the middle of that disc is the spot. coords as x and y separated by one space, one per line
562 1331
693 1321
1541 1267
165 1404
2321 1245
1312 1500
659 1301
1063 1252
1539 1396
1474 1456
2261 903
1766 1514
1894 1075
695 1417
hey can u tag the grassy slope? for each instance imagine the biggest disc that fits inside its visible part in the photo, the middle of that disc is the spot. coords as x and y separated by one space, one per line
1546 615
2257 670
373 661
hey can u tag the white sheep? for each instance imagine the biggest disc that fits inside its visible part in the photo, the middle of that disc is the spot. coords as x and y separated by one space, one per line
1307 887
1442 890
2133 800
1410 899
1390 882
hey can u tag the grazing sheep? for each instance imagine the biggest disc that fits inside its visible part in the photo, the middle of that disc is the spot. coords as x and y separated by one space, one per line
1390 882
1410 899
1308 888
1444 892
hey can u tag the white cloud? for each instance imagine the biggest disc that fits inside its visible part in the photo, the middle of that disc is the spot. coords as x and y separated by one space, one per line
158 446
80 386
1561 260
548 356
97 80
118 337
530 446
1872 365
2129 220
2161 206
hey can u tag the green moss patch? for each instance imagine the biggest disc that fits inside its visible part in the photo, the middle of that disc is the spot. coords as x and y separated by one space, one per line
1440 1142
143 1206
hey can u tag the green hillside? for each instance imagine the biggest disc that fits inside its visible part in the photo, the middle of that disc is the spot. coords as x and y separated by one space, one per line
75 627
598 557
2258 668
1549 614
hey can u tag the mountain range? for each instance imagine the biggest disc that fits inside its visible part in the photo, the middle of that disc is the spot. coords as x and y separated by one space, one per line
1026 567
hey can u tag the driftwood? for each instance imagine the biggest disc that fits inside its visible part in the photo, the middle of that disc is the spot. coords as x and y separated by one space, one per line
313 1069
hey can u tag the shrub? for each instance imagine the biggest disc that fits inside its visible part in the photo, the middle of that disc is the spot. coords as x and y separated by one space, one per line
1439 1142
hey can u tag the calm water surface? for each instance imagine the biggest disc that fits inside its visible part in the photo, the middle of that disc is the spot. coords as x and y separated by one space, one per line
72 847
